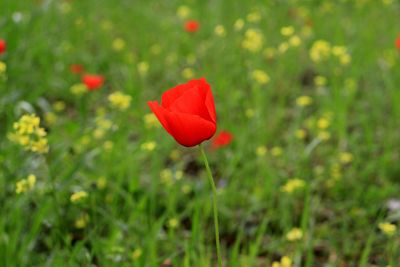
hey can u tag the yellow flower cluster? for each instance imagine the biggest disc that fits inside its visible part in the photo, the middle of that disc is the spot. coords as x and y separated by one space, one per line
143 68
78 196
293 39
173 223
3 67
78 89
220 31
387 228
25 184
260 77
183 12
82 221
238 25
118 44
151 121
102 126
261 151
136 254
284 262
276 151
120 100
29 134
188 73
254 16
303 101
321 50
293 185
253 40
294 234
148 146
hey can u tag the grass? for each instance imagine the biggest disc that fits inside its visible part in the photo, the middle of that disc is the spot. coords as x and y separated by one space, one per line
151 206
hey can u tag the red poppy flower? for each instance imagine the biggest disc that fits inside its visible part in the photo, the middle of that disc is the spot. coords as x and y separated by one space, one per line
398 42
187 112
224 138
192 26
93 82
2 46
76 68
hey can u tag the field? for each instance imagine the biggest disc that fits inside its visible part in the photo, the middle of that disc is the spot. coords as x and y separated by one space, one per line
305 156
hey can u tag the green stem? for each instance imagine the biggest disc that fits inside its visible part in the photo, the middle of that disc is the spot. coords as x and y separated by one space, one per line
215 205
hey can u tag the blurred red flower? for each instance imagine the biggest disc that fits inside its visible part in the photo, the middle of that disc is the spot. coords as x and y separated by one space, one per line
2 46
224 138
192 26
93 82
398 42
76 68
187 112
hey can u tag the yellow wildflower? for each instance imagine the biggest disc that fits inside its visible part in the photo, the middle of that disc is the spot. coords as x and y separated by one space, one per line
320 51
295 41
287 31
324 135
292 185
186 189
151 121
29 134
108 145
387 2
283 47
3 67
345 157
59 106
284 262
173 223
148 146
254 17
219 30
187 73
25 184
304 101
294 234
50 118
118 44
387 228
260 76
136 254
250 113
78 196
166 176
120 100
261 151
300 134
183 12
320 81
238 25
143 68
101 182
345 59
323 123
253 40
78 89
276 151
103 123
82 221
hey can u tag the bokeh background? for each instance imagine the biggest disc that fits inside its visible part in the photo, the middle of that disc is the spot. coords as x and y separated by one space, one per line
307 98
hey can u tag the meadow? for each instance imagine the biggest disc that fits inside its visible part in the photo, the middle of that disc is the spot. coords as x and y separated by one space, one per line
305 156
